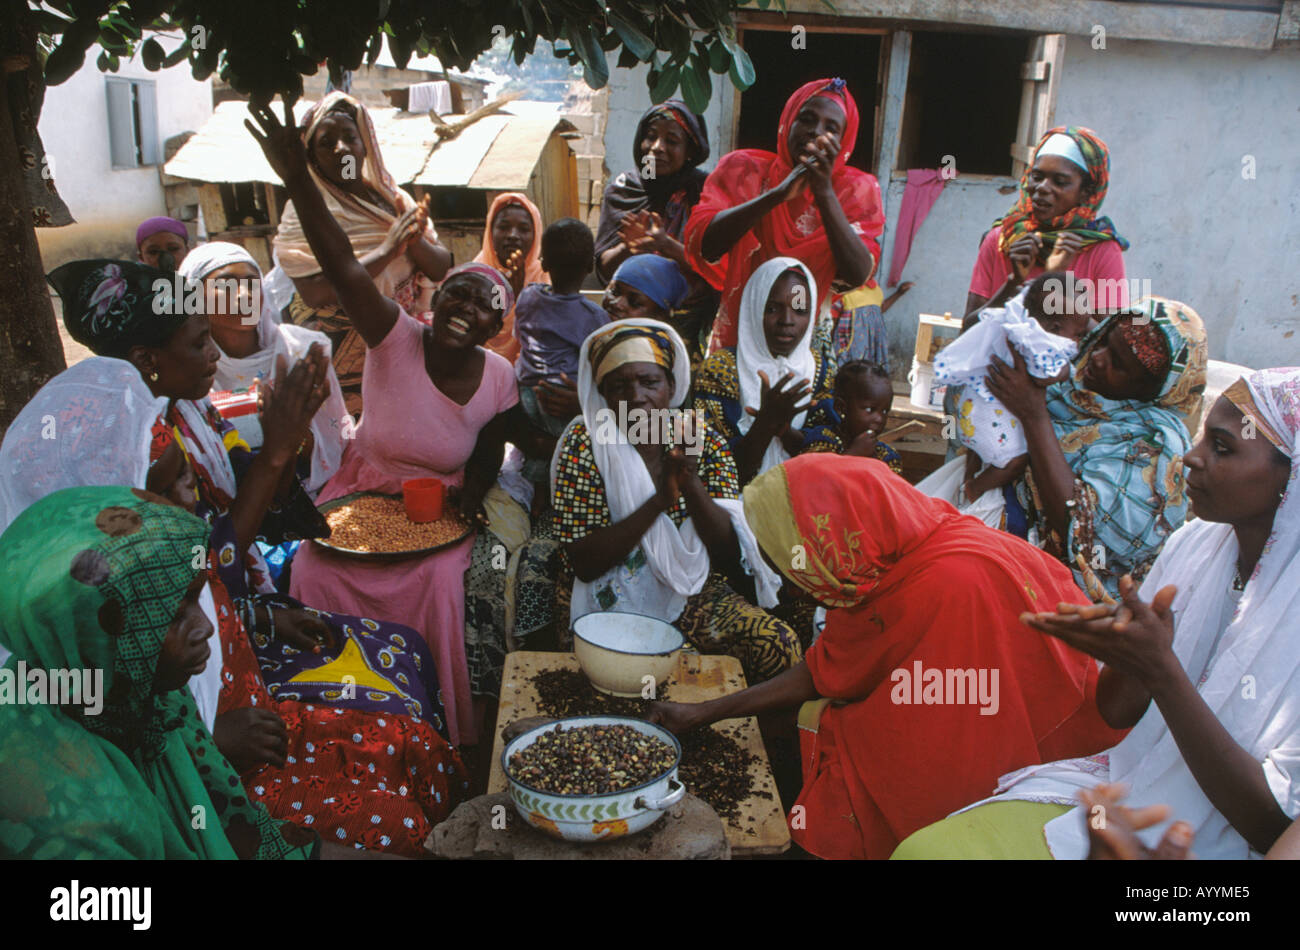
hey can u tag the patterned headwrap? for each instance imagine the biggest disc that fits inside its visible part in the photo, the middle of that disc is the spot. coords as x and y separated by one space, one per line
109 306
1148 345
657 277
1082 219
93 579
493 276
625 342
1242 394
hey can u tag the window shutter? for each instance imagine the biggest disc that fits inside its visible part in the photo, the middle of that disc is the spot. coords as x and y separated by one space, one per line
121 124
146 93
1042 78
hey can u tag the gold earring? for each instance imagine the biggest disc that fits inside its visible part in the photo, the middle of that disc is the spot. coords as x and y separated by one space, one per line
153 377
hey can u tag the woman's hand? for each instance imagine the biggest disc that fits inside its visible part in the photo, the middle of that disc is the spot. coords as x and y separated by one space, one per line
408 228
793 185
289 406
1024 253
251 738
1113 828
1067 247
678 469
643 232
281 143
468 500
819 158
1133 636
1022 395
559 400
303 630
779 404
679 718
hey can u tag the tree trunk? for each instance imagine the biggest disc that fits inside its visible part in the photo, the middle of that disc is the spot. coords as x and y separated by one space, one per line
30 349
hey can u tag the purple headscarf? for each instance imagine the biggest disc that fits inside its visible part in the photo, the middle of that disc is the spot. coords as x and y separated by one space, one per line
152 226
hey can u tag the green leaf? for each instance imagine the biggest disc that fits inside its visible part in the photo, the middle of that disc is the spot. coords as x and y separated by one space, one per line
152 54
666 84
627 59
176 55
640 45
719 58
697 88
587 45
742 69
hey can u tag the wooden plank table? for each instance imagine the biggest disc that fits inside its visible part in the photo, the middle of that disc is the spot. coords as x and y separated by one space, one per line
759 827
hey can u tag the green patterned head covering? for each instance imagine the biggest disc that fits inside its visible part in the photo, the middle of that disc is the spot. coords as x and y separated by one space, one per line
91 580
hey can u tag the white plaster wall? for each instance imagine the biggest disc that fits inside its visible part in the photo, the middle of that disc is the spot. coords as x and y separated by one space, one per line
108 203
1178 119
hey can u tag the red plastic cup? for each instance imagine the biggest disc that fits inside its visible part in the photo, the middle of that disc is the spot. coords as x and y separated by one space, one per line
423 499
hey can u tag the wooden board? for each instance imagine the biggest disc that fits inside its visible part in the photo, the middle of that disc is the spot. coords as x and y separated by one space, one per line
759 827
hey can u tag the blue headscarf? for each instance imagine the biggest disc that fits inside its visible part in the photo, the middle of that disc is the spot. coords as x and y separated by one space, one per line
656 277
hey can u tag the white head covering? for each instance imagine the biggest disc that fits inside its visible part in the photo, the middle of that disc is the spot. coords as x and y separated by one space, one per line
275 340
677 562
1248 674
753 355
208 258
89 425
1058 143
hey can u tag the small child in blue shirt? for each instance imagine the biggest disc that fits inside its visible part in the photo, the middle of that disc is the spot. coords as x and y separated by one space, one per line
550 323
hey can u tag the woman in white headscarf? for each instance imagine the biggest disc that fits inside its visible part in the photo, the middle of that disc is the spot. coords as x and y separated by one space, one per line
650 518
769 395
1207 672
255 346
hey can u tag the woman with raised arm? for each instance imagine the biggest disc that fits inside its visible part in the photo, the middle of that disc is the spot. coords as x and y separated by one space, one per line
438 405
802 201
347 167
1203 663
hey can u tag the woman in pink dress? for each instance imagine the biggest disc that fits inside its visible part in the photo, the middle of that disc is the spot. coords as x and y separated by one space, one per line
1055 225
436 404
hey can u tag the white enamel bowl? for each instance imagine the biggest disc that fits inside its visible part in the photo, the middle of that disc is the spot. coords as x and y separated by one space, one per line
595 817
618 650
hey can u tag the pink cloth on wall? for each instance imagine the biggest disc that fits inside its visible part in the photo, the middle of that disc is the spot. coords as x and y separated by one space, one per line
923 188
410 430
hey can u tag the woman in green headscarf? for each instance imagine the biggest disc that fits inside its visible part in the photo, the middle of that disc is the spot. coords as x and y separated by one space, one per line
102 579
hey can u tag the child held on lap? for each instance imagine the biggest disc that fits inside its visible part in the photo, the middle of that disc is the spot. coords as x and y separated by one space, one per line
1045 327
550 323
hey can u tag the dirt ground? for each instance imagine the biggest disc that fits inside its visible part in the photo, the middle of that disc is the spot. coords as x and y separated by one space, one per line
73 351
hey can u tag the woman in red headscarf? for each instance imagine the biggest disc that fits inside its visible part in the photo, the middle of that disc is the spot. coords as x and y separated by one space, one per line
803 202
932 686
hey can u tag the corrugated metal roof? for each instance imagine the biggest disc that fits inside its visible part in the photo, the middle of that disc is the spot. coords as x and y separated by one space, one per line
498 152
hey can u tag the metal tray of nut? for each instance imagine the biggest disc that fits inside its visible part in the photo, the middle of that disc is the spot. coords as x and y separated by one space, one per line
451 522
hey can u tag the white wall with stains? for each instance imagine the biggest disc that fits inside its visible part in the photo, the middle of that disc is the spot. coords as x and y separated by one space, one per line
1180 121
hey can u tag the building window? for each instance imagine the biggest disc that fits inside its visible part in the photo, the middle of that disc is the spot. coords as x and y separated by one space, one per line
853 54
963 100
133 122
